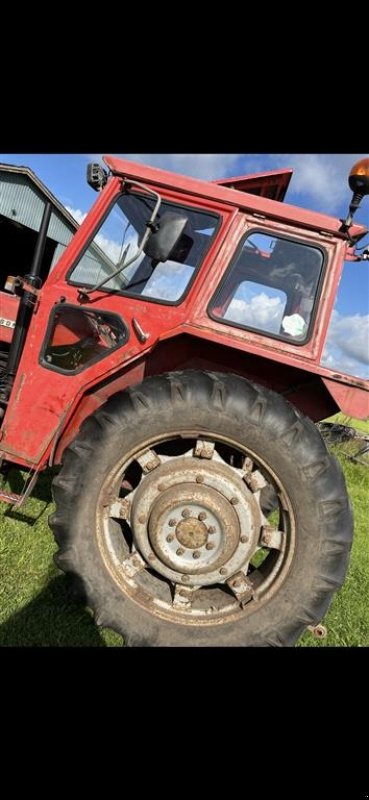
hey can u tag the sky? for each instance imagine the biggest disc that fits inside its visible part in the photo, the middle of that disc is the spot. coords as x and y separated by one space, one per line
319 182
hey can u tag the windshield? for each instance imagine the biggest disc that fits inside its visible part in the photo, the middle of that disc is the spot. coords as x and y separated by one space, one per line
118 240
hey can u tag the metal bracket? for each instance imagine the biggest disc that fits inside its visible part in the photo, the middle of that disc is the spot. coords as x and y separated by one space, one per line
18 500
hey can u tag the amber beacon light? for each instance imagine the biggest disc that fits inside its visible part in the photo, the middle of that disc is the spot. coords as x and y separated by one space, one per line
359 185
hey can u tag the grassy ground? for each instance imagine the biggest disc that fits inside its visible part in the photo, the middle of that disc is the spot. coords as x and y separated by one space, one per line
36 607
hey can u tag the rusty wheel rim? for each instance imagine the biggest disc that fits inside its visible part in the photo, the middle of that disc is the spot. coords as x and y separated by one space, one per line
181 530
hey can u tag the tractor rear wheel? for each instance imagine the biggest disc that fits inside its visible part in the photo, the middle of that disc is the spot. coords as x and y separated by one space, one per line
160 513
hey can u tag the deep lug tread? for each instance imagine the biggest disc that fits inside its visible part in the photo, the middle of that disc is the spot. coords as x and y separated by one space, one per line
208 399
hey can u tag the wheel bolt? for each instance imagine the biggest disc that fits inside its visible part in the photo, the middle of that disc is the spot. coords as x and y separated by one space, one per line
244 539
202 515
196 554
185 578
236 583
200 479
234 501
210 546
211 529
180 551
170 537
142 518
172 523
186 512
223 571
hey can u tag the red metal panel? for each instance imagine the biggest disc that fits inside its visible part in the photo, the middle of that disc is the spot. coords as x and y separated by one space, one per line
265 184
352 400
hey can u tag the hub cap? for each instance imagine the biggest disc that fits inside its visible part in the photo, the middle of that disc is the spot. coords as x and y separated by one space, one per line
209 517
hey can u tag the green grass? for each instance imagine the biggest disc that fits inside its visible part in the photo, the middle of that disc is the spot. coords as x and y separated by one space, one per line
36 605
37 608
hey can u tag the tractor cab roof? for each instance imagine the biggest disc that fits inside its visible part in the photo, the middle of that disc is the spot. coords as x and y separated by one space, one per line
260 193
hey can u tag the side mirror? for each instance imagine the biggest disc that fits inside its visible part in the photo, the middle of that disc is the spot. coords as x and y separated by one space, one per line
163 241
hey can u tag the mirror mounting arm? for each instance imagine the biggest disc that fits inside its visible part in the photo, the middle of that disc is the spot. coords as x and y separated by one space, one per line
83 294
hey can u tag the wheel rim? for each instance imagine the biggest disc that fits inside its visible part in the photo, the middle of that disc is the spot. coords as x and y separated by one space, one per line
180 528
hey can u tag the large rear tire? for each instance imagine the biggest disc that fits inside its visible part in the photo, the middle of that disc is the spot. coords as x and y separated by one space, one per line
159 511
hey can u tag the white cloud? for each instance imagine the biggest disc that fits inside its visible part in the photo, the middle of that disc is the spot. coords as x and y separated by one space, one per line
110 247
322 178
77 214
260 311
347 345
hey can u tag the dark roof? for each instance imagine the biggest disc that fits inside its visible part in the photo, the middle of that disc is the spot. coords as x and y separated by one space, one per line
12 168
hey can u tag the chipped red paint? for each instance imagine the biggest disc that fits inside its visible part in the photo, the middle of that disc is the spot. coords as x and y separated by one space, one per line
46 408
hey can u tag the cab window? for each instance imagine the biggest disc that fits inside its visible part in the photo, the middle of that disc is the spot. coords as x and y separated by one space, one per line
271 287
117 241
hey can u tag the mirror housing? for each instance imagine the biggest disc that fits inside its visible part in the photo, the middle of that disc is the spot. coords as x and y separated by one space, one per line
96 176
165 237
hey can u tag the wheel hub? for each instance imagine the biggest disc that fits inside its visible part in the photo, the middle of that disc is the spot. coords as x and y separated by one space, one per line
193 523
192 533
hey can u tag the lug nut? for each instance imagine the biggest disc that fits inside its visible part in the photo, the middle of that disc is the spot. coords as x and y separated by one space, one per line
170 537
162 487
244 539
211 529
202 515
185 578
142 518
236 583
223 571
172 523
234 501
210 546
200 479
196 554
186 512
180 551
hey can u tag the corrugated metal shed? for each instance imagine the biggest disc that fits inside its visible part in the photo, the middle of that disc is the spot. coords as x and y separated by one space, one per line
22 200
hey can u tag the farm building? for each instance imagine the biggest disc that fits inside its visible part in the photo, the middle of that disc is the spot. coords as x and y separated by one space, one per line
22 201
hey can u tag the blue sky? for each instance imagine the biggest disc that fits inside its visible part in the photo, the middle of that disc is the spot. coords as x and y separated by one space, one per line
319 182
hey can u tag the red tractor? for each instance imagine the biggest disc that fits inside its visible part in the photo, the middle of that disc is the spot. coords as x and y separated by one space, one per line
171 364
